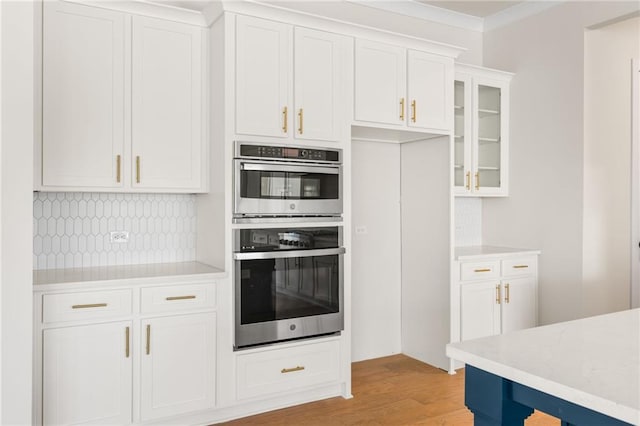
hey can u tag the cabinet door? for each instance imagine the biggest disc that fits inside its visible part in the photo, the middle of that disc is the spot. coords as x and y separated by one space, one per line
462 133
167 98
491 136
519 306
479 309
430 90
83 96
318 71
87 374
178 365
380 83
263 77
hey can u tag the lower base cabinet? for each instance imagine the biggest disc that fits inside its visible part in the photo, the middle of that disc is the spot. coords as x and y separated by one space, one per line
177 368
87 374
99 349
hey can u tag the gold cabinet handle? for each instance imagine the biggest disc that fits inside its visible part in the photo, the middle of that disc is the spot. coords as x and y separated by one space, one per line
506 293
118 165
285 119
520 266
137 169
402 109
180 297
126 342
468 185
148 345
482 270
301 117
413 111
498 297
477 181
291 370
90 305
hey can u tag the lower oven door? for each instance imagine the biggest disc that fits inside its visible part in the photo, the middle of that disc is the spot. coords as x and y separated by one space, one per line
287 295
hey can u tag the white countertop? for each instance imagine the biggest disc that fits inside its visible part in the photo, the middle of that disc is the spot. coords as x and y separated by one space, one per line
593 362
482 252
46 279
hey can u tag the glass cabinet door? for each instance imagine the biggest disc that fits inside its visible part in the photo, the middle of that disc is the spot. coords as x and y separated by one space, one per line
462 133
489 137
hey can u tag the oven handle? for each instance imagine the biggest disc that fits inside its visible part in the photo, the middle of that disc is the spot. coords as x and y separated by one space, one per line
289 168
287 254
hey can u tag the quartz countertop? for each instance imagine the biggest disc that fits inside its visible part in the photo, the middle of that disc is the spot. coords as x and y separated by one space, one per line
482 252
593 362
125 274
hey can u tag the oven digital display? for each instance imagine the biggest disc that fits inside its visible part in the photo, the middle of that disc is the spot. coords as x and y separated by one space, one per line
291 152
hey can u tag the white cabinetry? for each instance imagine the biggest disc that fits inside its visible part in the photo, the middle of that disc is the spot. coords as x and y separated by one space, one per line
101 347
122 104
495 295
289 81
168 125
87 374
402 87
83 96
481 133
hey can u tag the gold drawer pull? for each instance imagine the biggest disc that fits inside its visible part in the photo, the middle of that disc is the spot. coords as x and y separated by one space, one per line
137 169
402 109
180 297
482 270
506 296
413 111
291 370
148 342
118 167
285 118
498 296
90 305
520 266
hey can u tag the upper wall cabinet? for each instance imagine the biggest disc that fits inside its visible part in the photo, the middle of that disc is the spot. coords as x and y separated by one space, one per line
122 104
402 87
289 81
481 131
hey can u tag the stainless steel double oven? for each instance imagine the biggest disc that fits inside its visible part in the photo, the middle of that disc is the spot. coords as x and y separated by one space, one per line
288 277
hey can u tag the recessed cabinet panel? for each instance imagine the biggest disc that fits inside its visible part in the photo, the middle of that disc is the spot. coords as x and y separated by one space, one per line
380 83
480 310
166 104
83 96
430 91
178 365
519 304
87 374
317 85
263 64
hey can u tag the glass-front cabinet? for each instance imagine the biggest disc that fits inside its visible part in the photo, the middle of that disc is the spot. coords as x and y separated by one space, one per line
481 133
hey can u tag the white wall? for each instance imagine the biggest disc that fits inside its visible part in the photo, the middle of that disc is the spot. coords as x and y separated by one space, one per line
16 179
607 166
376 265
545 206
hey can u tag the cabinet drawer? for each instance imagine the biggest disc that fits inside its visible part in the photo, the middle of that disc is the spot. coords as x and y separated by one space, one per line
279 370
85 306
177 298
519 266
479 270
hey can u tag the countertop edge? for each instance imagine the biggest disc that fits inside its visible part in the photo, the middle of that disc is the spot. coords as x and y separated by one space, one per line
576 396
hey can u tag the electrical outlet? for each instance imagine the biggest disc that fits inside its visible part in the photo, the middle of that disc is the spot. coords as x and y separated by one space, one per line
119 236
361 230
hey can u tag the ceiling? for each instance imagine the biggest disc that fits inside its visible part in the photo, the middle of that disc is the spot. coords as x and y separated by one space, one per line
477 8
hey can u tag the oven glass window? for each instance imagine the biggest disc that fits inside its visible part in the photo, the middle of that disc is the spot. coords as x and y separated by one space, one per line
288 185
283 288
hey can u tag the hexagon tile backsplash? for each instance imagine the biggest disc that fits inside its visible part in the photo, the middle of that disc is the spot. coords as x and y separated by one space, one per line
73 230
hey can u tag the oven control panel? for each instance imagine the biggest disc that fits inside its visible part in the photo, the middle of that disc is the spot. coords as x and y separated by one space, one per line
288 153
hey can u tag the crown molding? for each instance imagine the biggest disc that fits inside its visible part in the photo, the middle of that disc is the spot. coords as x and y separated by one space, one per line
516 13
426 12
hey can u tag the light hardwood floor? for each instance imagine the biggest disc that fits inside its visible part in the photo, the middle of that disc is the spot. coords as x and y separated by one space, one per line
394 390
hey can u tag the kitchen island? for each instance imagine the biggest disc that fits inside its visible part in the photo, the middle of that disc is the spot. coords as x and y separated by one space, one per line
585 371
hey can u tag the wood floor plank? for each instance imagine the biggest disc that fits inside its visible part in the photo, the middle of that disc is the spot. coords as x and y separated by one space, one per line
395 390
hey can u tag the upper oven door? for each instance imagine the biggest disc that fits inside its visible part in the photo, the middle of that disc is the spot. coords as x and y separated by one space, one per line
288 189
